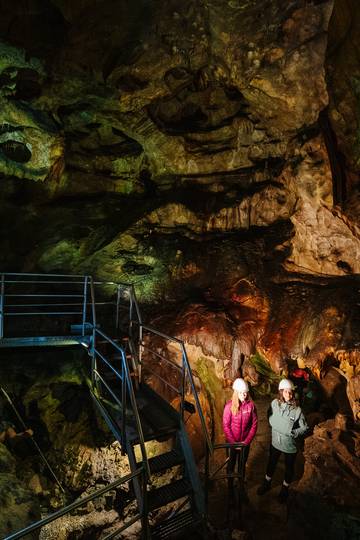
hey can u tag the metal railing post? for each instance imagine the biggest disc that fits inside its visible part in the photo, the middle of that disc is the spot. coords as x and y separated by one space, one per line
138 423
197 401
93 314
117 307
145 511
131 302
183 379
141 348
123 401
2 301
207 457
84 304
135 302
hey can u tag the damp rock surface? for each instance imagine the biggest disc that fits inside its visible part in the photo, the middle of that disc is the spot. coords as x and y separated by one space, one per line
208 152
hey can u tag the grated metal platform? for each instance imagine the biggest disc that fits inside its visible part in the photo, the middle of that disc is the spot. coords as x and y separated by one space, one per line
165 461
45 341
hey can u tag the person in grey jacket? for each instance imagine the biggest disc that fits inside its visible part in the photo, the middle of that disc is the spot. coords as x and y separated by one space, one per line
287 424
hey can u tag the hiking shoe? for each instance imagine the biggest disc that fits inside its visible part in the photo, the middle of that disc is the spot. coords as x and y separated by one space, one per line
283 495
265 486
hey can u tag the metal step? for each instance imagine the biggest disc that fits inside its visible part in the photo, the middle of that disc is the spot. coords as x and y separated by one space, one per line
162 433
176 526
165 461
156 422
165 428
168 493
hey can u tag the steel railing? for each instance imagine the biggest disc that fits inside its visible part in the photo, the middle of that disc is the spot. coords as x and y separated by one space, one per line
45 295
85 313
66 295
122 374
136 331
214 475
141 515
83 309
181 365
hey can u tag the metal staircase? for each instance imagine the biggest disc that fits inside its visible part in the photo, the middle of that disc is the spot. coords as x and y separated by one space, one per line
141 382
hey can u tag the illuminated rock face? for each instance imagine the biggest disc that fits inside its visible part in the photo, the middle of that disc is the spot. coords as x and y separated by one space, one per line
329 483
177 146
214 103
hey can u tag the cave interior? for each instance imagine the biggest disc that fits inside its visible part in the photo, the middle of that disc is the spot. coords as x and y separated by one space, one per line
180 197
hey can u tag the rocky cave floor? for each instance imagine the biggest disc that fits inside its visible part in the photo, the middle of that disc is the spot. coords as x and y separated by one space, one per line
331 465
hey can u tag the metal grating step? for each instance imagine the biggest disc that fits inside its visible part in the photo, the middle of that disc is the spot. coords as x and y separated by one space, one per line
175 526
168 493
165 461
150 433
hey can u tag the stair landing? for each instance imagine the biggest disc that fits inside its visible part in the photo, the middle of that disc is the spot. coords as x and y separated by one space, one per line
45 341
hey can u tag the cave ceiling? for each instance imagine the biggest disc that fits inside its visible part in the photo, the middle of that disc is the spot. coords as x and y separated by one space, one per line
177 146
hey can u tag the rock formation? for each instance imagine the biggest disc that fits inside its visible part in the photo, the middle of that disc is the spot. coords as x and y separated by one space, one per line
206 151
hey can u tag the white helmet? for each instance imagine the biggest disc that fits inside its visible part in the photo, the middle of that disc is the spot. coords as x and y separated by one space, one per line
239 385
286 384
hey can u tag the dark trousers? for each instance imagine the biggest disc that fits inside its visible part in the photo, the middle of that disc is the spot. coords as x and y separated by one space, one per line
238 457
289 463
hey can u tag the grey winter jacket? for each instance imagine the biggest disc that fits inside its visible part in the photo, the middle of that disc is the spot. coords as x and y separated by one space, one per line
287 422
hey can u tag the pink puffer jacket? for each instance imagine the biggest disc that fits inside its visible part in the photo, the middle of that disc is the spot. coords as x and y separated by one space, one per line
242 426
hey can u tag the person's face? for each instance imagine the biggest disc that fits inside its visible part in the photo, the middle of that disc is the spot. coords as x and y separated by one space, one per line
287 394
242 396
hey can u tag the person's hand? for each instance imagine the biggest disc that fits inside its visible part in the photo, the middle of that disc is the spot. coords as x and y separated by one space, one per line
29 432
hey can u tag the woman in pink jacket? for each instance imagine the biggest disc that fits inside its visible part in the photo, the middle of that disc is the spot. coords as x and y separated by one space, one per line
240 425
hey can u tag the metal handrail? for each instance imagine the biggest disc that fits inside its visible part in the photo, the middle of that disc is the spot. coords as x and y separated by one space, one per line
2 289
187 371
155 353
126 388
222 446
85 292
77 504
26 313
34 303
44 305
45 295
42 275
45 281
135 317
209 443
215 447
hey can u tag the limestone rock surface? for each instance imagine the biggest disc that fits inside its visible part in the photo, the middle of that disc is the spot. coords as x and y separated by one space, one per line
327 495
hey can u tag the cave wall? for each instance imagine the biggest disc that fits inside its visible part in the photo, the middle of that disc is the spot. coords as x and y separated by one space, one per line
342 69
206 151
